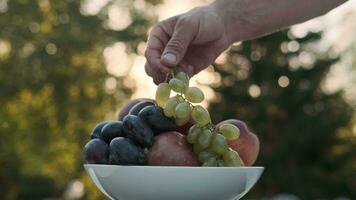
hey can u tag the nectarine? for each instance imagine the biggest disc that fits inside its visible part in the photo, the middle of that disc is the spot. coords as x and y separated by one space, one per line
247 146
171 149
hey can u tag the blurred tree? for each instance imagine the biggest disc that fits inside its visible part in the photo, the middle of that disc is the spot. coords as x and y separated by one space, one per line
274 84
54 88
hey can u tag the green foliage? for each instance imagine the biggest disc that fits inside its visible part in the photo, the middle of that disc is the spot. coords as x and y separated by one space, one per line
298 125
52 78
52 93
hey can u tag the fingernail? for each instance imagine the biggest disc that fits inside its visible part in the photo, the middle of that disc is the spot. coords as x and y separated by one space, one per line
170 57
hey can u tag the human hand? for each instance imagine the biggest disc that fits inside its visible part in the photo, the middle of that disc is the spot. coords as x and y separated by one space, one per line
193 40
189 42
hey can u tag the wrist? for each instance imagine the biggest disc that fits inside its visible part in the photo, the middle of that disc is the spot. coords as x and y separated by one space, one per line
231 14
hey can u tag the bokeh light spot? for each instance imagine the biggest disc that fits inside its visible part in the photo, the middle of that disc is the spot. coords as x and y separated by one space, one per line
221 59
117 61
51 48
254 91
75 190
141 48
3 6
27 50
283 81
119 17
306 59
255 55
5 48
34 27
293 46
92 7
110 83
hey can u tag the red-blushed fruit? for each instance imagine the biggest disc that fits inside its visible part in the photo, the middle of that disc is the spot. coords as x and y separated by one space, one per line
247 146
171 149
185 128
127 107
242 163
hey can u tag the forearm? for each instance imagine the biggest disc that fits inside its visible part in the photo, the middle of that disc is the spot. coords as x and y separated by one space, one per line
247 19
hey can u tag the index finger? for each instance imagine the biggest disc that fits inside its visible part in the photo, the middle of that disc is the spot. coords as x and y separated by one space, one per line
157 41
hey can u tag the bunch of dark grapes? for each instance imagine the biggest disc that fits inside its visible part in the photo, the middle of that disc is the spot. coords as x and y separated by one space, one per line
126 142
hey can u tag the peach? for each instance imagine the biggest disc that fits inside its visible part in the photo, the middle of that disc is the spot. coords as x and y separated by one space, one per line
247 146
171 149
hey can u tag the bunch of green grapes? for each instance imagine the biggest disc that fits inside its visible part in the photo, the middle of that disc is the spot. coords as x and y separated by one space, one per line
209 143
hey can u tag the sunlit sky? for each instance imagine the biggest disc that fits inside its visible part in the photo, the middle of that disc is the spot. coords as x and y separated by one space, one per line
338 29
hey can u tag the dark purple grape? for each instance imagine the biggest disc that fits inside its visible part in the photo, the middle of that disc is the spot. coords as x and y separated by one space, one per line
112 130
138 107
138 130
155 118
96 151
96 132
123 151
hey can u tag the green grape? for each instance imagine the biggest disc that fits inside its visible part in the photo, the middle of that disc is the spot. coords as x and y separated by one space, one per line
177 85
205 155
197 149
218 144
193 134
194 95
221 163
200 115
230 131
183 77
211 162
205 138
162 94
182 121
182 110
170 107
231 158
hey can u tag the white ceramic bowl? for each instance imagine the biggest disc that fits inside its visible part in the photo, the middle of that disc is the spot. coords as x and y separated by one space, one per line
173 183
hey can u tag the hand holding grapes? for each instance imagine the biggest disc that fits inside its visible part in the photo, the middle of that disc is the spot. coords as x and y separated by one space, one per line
193 40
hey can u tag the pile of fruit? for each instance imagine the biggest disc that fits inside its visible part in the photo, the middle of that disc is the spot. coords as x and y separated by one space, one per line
171 131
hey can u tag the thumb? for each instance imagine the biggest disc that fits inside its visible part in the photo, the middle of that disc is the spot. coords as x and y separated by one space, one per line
183 34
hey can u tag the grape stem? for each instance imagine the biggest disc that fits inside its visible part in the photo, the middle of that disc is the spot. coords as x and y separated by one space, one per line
171 75
210 125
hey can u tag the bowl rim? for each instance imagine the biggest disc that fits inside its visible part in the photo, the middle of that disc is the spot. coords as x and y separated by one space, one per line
171 167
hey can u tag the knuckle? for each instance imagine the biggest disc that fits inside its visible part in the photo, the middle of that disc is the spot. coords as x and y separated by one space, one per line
176 45
148 57
156 28
160 28
185 21
182 20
